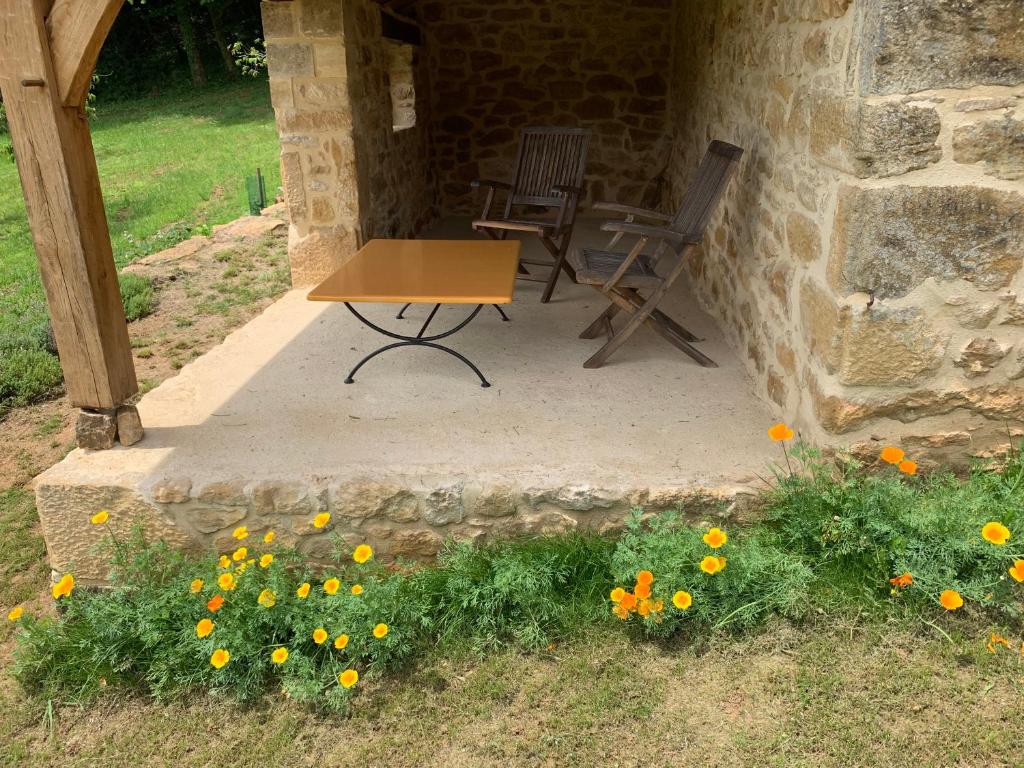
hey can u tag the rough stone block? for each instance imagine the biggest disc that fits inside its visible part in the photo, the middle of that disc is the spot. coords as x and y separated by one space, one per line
330 59
888 347
916 46
294 184
804 238
415 544
367 499
873 139
96 430
980 356
289 60
889 240
444 506
278 19
319 253
320 18
999 144
821 321
496 502
129 425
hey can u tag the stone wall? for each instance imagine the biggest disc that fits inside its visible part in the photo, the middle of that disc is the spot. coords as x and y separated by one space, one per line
347 175
499 65
868 259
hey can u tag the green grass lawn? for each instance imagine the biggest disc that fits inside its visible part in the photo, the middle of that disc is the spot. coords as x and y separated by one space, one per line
170 166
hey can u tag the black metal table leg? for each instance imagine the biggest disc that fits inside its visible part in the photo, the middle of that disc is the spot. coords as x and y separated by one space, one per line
418 341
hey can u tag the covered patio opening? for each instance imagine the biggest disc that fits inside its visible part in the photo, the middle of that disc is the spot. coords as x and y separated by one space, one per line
386 113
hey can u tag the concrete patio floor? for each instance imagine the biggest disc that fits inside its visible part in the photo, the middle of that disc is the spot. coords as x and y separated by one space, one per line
262 430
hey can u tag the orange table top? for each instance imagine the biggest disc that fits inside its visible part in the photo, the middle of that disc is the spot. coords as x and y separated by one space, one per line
426 272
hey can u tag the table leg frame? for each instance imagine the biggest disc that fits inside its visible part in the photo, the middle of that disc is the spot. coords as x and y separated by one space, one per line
418 341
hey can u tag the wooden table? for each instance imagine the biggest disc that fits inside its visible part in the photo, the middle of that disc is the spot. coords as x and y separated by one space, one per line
424 272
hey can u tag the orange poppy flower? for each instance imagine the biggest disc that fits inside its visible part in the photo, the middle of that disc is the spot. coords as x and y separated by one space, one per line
995 640
321 520
642 591
1017 571
219 658
951 600
628 601
780 433
621 612
995 533
644 608
362 553
64 587
907 467
380 631
303 590
712 565
903 581
204 628
331 586
645 577
340 641
215 603
226 581
279 656
348 678
892 455
715 538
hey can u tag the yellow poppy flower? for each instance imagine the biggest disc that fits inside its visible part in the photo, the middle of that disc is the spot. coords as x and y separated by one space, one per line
204 628
64 587
303 590
319 635
712 565
267 598
219 658
348 678
951 600
617 594
241 532
279 656
682 600
363 553
340 641
780 433
658 606
380 631
266 560
621 612
995 533
196 586
15 613
268 537
357 589
715 538
892 455
321 520
100 517
331 586
224 562
226 581
240 554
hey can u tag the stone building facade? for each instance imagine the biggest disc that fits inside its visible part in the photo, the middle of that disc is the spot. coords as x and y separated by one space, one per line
868 260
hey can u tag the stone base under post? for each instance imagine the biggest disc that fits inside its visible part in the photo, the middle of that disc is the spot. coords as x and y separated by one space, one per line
99 429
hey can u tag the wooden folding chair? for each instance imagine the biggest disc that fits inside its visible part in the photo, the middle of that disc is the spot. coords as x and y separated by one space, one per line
548 173
630 281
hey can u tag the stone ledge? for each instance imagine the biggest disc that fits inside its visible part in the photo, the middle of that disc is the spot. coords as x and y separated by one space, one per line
399 517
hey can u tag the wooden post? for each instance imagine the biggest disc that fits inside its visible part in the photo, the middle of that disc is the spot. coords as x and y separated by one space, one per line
45 66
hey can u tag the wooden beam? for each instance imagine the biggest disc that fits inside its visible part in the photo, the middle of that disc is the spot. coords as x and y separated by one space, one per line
77 30
55 159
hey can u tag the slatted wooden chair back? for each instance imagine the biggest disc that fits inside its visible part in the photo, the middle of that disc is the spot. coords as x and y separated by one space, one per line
705 190
548 157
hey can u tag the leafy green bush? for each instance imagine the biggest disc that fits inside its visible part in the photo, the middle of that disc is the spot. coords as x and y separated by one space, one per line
524 592
137 295
758 578
861 529
27 375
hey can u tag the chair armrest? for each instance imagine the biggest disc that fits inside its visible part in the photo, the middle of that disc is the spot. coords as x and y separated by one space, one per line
509 225
657 233
478 183
566 190
630 210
